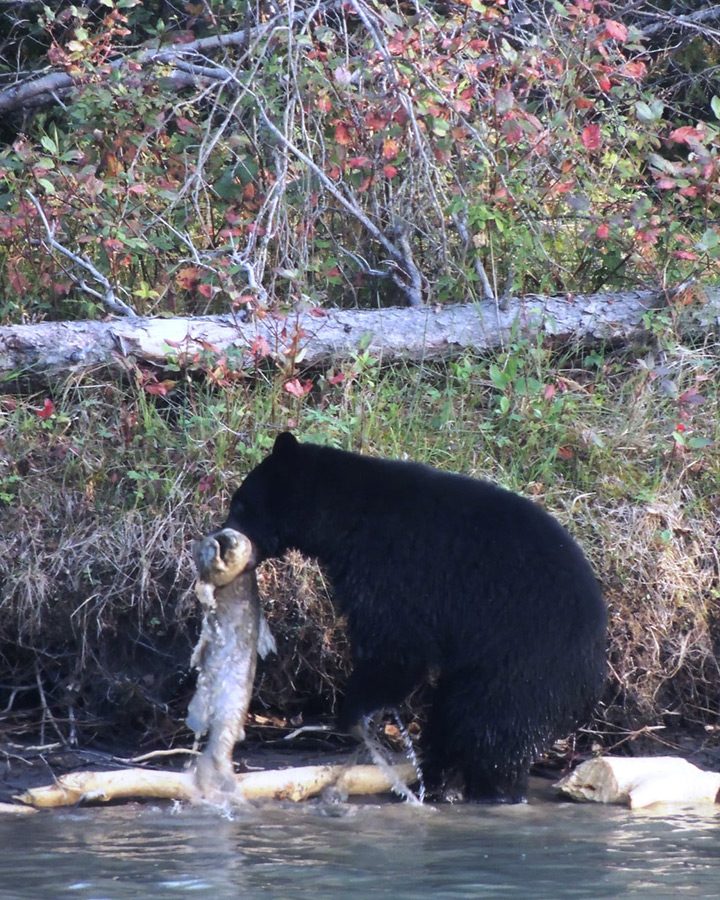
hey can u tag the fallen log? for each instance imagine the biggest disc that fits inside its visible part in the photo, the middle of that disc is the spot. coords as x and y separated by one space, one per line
296 784
641 781
320 337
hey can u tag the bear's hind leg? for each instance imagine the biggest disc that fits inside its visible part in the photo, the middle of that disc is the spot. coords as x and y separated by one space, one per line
478 738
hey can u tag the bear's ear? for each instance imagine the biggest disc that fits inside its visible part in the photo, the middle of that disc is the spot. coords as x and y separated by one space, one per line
285 444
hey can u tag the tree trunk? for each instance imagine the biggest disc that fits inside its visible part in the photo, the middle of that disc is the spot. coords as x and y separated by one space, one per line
318 336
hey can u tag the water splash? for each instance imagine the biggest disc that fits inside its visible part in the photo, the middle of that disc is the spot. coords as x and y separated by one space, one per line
377 754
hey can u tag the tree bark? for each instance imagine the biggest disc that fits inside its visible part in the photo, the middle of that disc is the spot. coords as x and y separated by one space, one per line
319 337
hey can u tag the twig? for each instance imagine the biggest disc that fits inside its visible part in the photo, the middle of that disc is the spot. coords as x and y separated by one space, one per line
305 729
108 298
406 264
156 754
692 21
461 223
46 710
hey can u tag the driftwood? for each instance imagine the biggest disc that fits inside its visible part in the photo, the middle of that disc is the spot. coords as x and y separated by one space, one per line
641 781
321 337
294 784
233 632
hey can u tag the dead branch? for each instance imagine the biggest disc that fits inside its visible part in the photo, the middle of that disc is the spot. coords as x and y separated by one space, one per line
108 298
669 21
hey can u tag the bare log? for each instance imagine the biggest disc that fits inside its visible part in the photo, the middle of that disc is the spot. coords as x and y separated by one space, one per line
641 781
293 784
13 809
325 336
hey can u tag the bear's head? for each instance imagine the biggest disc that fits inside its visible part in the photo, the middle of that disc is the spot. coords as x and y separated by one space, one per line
260 506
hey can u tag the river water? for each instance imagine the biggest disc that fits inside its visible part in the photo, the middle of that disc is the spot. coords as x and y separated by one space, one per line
544 849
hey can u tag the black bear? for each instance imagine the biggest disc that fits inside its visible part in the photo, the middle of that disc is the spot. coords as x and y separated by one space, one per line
444 574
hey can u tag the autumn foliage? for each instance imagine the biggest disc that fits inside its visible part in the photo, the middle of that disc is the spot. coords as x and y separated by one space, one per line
540 157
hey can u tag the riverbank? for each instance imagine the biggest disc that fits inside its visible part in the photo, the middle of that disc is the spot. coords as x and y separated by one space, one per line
105 484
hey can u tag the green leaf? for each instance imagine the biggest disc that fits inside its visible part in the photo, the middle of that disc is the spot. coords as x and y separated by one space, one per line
498 377
646 113
715 104
47 186
49 144
697 443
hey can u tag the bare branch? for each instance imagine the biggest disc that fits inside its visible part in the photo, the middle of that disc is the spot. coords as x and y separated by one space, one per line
108 298
397 254
692 21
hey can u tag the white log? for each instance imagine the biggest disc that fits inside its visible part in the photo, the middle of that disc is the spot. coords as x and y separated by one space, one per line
641 781
12 809
331 336
277 784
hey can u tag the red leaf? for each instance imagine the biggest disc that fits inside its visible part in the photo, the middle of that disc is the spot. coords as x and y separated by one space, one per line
375 121
323 103
342 134
635 69
389 171
615 30
685 254
260 347
390 148
591 137
187 278
603 231
297 389
565 452
665 183
160 388
205 484
48 409
686 135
